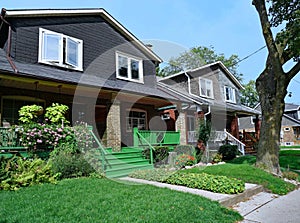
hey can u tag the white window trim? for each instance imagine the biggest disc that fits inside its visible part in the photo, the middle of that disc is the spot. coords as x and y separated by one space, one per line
298 114
129 78
211 85
135 110
233 100
287 129
60 61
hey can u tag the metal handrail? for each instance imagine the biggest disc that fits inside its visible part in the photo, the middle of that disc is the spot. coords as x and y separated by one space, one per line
136 132
102 150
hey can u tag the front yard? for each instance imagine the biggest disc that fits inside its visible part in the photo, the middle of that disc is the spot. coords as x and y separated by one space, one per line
103 200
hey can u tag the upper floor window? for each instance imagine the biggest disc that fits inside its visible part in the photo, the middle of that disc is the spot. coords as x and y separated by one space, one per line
230 94
298 114
206 88
129 68
60 50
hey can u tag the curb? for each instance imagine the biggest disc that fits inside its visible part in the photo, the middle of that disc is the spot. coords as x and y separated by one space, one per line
230 201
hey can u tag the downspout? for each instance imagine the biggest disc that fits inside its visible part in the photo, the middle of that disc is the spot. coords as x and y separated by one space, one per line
13 66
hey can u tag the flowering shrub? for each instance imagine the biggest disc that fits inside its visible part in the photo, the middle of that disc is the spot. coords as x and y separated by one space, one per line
185 160
39 134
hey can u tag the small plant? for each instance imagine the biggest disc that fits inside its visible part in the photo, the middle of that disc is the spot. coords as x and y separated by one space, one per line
228 151
56 113
185 149
185 160
29 113
217 158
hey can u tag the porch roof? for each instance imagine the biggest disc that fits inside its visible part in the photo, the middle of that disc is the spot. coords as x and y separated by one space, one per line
42 72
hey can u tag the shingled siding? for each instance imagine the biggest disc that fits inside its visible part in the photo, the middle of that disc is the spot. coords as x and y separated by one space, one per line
100 42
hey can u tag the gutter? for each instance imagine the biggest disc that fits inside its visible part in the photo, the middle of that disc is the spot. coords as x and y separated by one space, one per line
2 17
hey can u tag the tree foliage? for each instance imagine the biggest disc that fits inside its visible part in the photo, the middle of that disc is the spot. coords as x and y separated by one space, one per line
249 96
272 83
197 57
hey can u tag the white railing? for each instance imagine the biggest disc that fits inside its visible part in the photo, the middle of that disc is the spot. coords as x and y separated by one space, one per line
220 136
235 141
192 136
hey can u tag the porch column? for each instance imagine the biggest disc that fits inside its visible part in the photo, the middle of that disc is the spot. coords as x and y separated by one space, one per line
181 126
235 127
257 124
113 126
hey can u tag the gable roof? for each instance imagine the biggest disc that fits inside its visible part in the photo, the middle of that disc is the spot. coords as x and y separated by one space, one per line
77 12
218 63
291 107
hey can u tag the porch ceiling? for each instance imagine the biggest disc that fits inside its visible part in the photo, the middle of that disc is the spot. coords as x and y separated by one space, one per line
84 91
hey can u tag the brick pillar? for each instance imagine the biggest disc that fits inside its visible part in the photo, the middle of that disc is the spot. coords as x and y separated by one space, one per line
257 124
113 128
181 126
234 130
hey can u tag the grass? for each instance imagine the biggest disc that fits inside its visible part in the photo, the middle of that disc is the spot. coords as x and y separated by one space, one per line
249 174
102 200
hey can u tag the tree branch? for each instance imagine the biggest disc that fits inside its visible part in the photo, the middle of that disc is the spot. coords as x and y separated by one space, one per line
294 71
266 28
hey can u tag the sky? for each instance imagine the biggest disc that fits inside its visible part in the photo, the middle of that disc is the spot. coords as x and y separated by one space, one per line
174 26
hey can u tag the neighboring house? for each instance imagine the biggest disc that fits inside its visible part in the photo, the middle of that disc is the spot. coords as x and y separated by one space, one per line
290 125
215 93
87 60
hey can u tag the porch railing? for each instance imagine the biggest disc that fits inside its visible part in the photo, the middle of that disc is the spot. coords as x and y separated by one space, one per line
146 138
235 141
192 136
220 136
9 138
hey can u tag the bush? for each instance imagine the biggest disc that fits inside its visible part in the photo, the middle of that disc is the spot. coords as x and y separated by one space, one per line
16 172
290 175
228 151
217 184
185 149
160 154
69 165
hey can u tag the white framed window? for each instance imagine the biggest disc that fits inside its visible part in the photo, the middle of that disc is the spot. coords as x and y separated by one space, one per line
60 50
229 94
287 129
206 88
298 114
129 67
136 118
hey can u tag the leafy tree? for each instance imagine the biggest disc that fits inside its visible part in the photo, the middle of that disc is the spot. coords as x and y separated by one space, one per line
272 83
197 57
249 96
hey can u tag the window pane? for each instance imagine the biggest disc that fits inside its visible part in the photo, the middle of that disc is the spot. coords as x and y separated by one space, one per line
123 66
51 48
203 87
135 69
208 88
72 52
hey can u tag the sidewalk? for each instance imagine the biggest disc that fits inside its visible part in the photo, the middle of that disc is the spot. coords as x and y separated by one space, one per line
268 208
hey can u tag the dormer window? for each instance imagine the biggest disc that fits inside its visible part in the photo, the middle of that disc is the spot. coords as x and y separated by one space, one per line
230 94
206 88
129 68
60 50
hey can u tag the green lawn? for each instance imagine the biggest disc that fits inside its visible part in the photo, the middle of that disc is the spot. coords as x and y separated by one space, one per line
249 174
102 200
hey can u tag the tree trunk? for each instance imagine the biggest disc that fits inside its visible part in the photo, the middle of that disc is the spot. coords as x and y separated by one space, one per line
271 87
